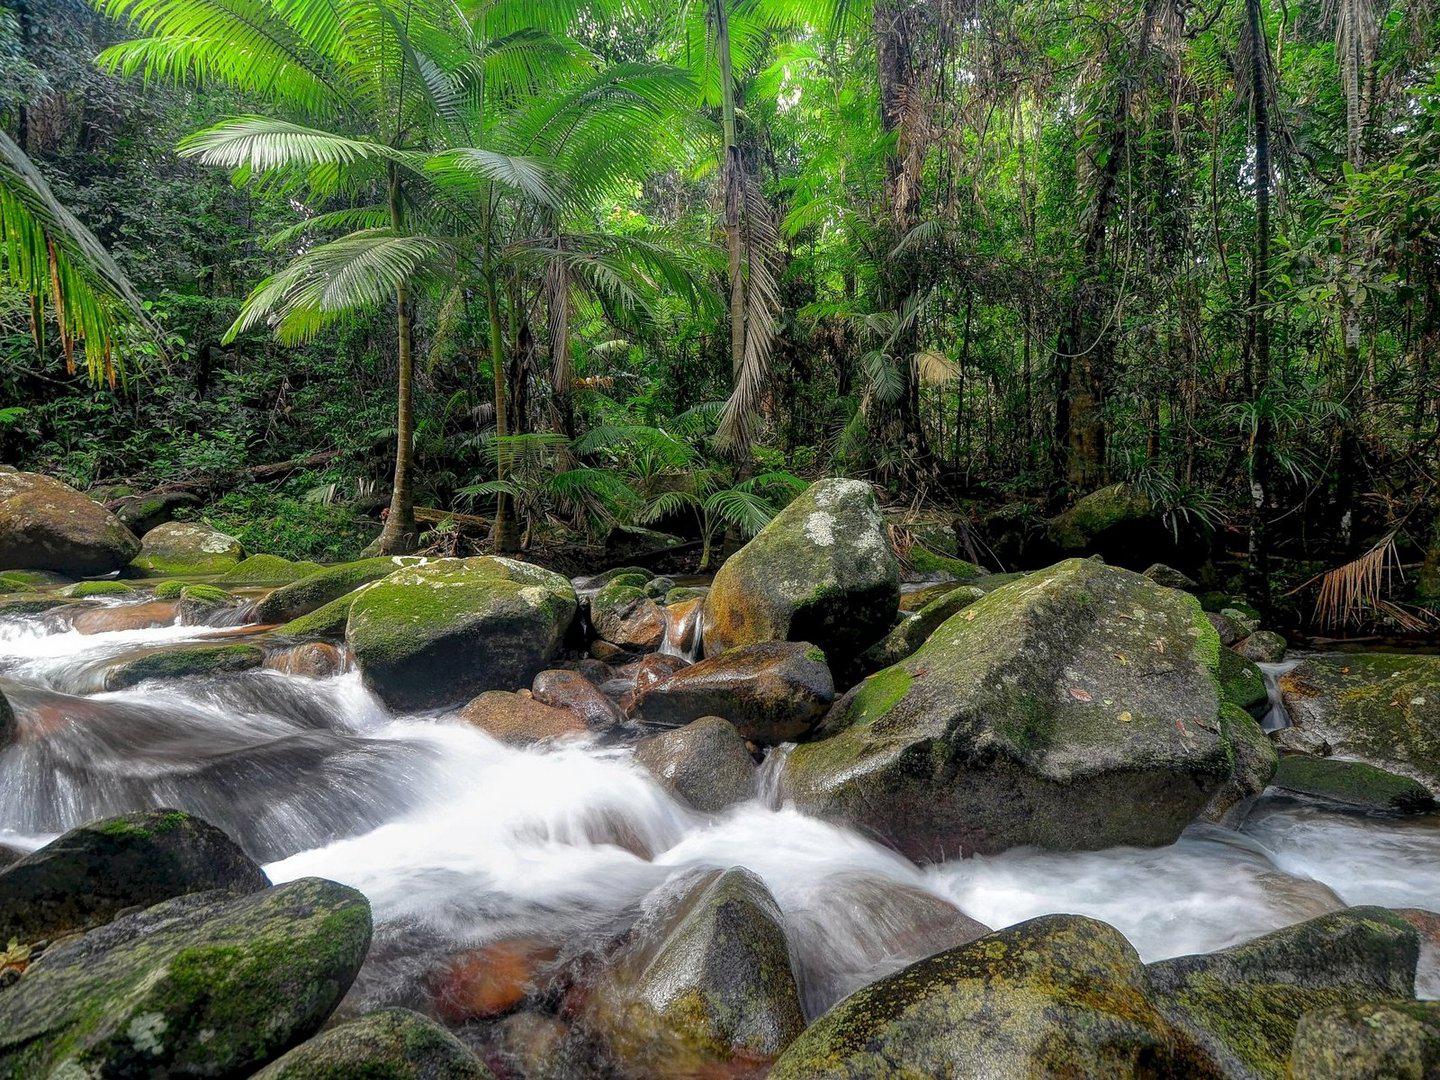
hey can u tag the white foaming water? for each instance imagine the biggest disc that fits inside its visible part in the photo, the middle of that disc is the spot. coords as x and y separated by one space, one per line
462 840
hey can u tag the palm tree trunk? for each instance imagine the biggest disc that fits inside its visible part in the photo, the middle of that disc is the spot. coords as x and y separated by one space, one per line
505 538
399 534
730 173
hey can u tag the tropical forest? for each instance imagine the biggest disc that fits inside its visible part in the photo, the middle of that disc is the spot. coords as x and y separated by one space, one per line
719 539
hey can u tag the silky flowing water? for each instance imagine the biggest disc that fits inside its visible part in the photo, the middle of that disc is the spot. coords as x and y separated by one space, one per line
460 841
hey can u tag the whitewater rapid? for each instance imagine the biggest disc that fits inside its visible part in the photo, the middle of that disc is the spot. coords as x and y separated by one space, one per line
459 841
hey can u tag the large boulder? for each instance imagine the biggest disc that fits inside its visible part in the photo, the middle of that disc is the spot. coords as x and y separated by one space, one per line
141 513
1119 521
1376 1040
1061 995
822 571
703 985
1353 783
392 1044
705 763
1043 715
318 589
90 874
186 548
915 628
772 692
1380 708
435 635
203 985
1235 1011
48 525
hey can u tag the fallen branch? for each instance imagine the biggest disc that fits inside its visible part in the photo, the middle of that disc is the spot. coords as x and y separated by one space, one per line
255 472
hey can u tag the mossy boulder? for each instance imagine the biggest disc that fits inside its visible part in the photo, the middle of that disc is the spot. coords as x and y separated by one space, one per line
772 692
268 570
1236 1011
32 579
1375 1040
1253 762
623 614
1353 783
209 984
46 524
704 764
1043 715
325 623
925 562
822 571
201 603
1102 517
1243 683
439 634
171 589
1245 620
314 591
1380 708
83 590
703 984
92 873
1170 577
1263 647
392 1044
141 513
1062 995
186 548
184 662
915 628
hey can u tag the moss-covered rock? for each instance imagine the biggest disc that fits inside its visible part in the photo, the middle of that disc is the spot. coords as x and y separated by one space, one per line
171 590
925 561
772 692
822 571
915 629
1246 621
83 590
1380 708
32 579
325 623
1061 995
46 524
1243 683
436 635
268 570
1263 647
1100 515
1253 761
705 763
1235 1011
1353 783
1042 714
392 1044
1170 577
90 874
186 548
184 662
199 604
316 590
1376 1040
703 984
623 614
141 513
203 985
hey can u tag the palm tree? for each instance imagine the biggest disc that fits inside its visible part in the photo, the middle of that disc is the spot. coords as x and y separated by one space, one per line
66 272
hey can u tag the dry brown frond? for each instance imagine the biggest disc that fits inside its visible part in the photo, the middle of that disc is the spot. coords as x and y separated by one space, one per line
1353 595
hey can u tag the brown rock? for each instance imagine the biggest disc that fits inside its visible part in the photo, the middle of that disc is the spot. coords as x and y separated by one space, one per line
771 692
519 720
488 981
46 524
704 763
106 620
572 691
314 660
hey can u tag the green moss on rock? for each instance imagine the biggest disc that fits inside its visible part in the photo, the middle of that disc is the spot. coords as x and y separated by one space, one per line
925 561
268 570
326 623
186 548
190 661
84 589
392 1044
1354 783
318 589
1242 683
1376 1040
1081 527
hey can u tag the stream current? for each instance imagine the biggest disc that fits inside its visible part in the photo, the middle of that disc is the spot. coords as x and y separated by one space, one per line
460 841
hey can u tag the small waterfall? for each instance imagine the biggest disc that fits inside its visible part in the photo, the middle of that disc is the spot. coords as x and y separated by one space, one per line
1277 717
684 627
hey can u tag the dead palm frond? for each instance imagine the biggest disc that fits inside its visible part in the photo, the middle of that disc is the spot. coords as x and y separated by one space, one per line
1354 595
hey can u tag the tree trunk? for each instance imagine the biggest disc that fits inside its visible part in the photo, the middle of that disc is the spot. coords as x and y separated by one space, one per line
505 538
1259 310
731 172
399 533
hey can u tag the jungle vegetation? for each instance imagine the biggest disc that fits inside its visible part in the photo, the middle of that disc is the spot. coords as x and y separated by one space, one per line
567 264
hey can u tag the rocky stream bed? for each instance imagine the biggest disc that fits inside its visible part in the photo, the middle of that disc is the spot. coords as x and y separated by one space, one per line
458 818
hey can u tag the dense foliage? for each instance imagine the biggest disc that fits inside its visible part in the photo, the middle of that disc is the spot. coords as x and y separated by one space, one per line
990 255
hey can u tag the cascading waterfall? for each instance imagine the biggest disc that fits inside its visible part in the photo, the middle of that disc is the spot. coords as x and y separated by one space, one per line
460 841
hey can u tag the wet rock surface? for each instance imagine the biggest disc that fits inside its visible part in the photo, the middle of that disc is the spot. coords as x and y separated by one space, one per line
180 548
705 763
1378 1040
392 1044
48 525
520 720
1353 783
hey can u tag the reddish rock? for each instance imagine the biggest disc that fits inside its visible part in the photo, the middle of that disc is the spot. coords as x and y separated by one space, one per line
106 620
519 720
488 981
314 660
574 692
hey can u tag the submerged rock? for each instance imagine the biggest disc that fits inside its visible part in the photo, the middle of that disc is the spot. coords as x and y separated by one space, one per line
772 692
186 548
199 604
703 985
92 873
184 662
520 720
434 635
1235 1011
203 985
48 525
316 590
1062 995
102 620
705 763
1353 783
392 1044
1377 1040
822 571
1380 708
1043 714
